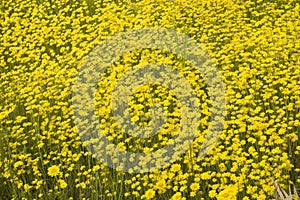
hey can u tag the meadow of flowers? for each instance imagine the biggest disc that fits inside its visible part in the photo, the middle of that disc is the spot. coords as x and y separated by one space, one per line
255 45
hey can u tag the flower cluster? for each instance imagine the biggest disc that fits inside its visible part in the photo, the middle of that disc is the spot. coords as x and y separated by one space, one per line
255 45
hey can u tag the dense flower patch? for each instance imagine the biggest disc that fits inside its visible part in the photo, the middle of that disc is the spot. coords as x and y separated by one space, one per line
255 45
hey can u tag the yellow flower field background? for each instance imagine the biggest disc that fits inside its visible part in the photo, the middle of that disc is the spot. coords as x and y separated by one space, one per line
255 45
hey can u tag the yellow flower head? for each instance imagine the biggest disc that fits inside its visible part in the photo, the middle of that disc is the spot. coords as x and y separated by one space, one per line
175 167
53 170
149 194
195 186
62 183
161 184
229 192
